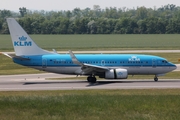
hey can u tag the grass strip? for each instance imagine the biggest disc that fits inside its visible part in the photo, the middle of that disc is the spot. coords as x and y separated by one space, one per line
100 42
150 104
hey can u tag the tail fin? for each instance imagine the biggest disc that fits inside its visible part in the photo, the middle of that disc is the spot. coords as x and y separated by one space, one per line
22 43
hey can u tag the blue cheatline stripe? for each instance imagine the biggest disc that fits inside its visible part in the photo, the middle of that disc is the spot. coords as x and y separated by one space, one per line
97 65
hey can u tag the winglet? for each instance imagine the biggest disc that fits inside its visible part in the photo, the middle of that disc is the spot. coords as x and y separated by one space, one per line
74 59
54 51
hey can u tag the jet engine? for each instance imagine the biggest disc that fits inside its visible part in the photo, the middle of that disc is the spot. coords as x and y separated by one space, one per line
116 74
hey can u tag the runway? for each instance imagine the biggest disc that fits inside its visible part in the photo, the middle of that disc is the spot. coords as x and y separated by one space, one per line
35 82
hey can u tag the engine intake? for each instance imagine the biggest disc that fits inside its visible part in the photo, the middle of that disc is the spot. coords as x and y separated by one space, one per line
116 74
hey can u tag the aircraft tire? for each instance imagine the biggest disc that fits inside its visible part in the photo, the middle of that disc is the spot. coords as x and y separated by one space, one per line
155 79
91 79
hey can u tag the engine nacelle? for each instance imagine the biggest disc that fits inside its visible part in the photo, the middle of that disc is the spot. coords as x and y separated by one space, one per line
116 74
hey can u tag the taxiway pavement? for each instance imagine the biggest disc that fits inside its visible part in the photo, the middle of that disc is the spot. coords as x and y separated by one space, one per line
35 85
28 82
37 82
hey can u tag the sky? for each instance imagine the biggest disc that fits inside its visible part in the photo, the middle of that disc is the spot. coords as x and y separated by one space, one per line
58 5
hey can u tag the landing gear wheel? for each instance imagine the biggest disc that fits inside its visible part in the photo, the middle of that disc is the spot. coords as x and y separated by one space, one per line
91 79
155 79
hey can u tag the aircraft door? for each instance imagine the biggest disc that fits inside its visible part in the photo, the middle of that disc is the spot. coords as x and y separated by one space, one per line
103 62
154 63
44 63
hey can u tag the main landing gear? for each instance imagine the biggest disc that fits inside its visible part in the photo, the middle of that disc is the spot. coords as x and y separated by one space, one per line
155 79
91 79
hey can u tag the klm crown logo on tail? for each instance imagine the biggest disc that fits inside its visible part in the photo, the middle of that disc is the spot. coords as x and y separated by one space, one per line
22 42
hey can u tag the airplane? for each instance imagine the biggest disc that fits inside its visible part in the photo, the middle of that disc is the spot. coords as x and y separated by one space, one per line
107 66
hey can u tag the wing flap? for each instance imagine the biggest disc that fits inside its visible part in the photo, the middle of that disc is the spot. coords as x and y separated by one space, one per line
95 67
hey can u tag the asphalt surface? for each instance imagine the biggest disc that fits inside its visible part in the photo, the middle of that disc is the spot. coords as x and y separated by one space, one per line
35 85
37 82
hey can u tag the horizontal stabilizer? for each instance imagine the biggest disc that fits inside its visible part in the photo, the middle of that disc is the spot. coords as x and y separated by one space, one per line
14 56
8 55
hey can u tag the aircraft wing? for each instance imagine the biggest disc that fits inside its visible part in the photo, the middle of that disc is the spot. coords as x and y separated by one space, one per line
87 68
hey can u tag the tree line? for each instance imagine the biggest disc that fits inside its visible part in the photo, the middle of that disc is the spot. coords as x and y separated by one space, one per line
140 20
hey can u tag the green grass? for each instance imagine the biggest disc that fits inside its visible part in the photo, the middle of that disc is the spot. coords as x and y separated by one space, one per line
100 42
150 104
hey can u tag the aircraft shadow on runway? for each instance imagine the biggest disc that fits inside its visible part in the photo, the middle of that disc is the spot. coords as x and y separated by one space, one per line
89 84
98 83
130 81
60 82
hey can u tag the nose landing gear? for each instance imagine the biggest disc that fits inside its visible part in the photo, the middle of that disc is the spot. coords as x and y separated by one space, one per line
155 79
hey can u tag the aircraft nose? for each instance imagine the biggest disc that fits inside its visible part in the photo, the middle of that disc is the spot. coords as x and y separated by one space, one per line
174 67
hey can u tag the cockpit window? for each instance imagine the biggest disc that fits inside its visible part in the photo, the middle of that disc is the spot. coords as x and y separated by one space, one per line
164 61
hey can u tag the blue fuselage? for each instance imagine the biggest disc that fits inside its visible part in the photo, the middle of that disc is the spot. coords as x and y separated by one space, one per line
134 63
